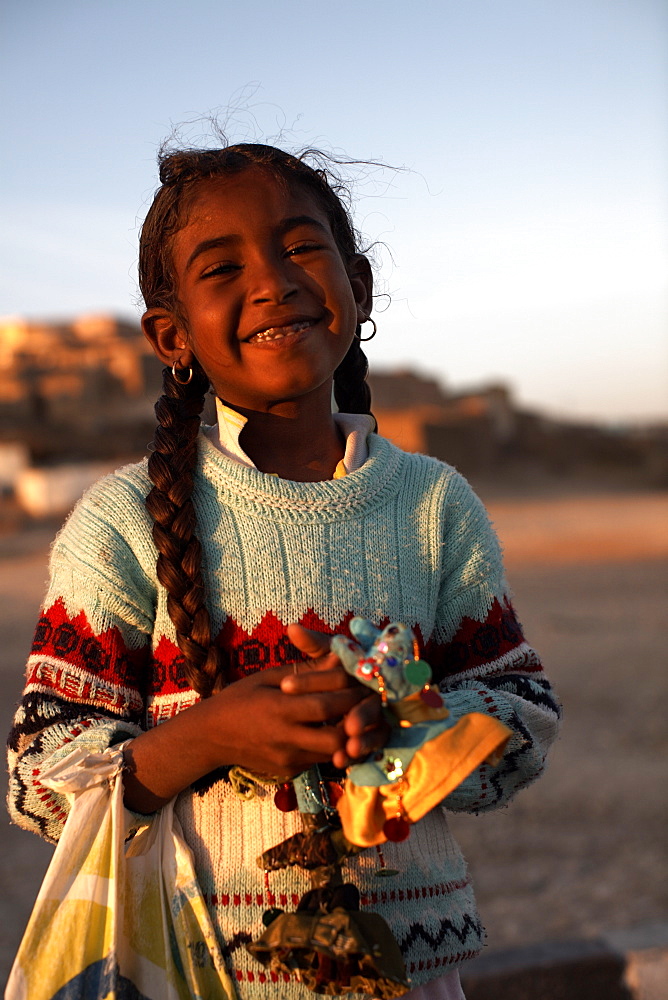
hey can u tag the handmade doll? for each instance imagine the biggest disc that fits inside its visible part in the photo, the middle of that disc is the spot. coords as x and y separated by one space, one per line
328 941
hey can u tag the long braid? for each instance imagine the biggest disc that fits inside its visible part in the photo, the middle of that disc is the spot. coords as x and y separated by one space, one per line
351 389
171 466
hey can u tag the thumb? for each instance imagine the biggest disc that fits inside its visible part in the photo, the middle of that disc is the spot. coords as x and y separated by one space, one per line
313 644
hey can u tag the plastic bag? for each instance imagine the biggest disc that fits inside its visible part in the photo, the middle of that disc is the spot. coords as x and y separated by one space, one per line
115 920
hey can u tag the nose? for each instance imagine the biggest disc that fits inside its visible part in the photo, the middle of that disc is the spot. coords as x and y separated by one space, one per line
273 280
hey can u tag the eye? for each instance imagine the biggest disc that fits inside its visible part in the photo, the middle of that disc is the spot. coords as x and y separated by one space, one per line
222 267
304 247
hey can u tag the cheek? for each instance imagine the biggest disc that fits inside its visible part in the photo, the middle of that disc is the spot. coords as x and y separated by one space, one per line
346 310
333 286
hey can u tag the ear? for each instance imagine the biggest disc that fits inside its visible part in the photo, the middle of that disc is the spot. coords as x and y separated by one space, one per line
166 337
361 281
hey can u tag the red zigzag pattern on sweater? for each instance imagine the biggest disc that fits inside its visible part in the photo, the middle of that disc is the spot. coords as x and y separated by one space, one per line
129 676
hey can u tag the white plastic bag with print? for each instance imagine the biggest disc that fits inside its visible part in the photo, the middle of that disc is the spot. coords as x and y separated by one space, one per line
115 921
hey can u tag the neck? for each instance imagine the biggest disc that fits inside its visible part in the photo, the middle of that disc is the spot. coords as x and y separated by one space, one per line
298 440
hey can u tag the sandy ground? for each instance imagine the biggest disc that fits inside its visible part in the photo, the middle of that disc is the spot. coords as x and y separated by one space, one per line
583 850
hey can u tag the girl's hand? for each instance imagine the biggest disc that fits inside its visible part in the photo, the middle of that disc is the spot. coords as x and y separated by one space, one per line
275 722
253 723
363 727
280 731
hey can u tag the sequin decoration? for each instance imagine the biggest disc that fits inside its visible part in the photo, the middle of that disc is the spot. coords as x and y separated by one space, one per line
394 768
417 672
366 668
384 871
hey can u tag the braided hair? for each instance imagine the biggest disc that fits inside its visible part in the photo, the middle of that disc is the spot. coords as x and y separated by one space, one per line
172 461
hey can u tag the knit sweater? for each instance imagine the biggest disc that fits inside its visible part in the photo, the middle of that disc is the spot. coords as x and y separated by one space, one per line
403 538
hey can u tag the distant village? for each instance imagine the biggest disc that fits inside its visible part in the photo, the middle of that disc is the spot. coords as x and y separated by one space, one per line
76 400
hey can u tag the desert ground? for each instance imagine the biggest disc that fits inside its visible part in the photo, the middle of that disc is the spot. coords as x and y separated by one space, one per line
581 852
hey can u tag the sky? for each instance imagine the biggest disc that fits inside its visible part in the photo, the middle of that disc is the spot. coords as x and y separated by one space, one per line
521 234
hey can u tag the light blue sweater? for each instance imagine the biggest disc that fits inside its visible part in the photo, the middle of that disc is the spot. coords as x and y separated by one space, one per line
403 538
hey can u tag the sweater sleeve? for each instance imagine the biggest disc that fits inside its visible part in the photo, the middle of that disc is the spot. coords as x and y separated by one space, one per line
86 673
482 660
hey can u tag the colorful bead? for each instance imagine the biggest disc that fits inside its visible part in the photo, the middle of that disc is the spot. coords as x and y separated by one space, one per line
285 798
396 829
269 916
334 792
431 697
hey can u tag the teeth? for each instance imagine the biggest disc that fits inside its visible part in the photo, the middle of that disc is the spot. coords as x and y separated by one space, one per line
279 332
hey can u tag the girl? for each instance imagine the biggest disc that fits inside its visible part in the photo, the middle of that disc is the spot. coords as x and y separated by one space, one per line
185 590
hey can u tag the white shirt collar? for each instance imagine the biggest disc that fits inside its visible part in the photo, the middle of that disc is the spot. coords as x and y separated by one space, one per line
355 428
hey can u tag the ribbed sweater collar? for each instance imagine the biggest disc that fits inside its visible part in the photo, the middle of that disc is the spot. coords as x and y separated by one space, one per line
240 487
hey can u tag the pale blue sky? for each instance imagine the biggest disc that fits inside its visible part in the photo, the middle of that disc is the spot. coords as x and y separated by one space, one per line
527 235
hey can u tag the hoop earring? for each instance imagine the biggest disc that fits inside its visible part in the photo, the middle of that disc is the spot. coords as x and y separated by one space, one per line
372 335
178 380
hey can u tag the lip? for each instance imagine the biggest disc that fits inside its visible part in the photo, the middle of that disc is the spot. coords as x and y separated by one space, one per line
277 323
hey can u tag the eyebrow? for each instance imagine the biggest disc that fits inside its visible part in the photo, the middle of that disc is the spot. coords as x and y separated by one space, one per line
303 220
220 242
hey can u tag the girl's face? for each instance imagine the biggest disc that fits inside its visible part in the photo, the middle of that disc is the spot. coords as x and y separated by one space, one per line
268 306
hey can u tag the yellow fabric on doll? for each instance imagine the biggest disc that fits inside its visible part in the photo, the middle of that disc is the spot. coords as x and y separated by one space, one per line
426 756
435 770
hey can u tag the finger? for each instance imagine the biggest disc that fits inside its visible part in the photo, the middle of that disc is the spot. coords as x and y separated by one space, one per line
308 746
320 742
366 714
274 676
359 748
314 644
329 676
324 707
366 731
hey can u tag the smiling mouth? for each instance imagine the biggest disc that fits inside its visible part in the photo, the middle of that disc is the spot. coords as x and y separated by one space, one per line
279 332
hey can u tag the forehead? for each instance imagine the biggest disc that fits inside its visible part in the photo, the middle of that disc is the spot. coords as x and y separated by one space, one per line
253 198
